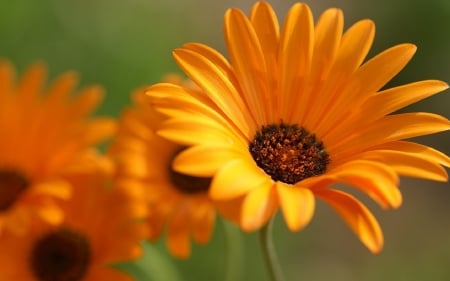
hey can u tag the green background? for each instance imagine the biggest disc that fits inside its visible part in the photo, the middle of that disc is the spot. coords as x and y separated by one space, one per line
126 44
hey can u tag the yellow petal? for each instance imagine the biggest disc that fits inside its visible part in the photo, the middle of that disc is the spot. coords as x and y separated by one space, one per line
258 207
204 161
236 178
357 217
297 205
194 130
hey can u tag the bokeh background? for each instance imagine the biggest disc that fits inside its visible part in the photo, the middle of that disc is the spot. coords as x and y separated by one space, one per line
126 44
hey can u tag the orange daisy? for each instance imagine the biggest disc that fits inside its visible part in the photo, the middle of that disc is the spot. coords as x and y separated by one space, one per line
295 110
45 134
101 227
179 203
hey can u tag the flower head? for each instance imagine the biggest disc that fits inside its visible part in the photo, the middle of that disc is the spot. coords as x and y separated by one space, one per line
102 226
177 202
44 134
295 110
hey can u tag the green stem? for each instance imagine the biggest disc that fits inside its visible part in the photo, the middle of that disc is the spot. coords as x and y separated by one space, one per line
234 258
268 252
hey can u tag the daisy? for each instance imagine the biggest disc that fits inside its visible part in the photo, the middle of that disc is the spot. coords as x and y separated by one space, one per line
101 227
45 133
176 202
295 110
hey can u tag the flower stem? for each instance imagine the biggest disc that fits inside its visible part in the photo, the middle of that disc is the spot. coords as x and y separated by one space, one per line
234 258
268 252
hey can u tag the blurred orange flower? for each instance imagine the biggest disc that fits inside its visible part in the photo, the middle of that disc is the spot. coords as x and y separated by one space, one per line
102 225
45 133
177 202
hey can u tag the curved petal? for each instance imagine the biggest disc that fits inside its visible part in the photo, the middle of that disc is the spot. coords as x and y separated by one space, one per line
204 161
194 129
408 164
258 207
236 178
417 149
378 181
357 217
297 205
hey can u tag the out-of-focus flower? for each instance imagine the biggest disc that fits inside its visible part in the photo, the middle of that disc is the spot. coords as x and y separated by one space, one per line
295 110
102 225
177 202
45 133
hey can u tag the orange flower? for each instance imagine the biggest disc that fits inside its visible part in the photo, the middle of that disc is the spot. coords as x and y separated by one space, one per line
294 111
101 227
45 134
175 201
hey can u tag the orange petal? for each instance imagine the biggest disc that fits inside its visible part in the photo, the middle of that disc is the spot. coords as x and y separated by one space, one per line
178 235
247 60
216 85
377 180
407 164
204 161
357 217
297 42
258 207
237 178
297 205
390 128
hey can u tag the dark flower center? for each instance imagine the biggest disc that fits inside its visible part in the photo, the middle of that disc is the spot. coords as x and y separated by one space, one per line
185 183
288 153
61 255
12 184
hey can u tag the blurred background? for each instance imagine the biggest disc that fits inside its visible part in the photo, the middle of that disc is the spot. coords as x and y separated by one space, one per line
126 44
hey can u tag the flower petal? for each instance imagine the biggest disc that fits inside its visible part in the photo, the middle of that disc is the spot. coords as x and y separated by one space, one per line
377 180
297 204
247 60
387 129
296 41
216 85
204 161
408 164
357 217
258 207
236 178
